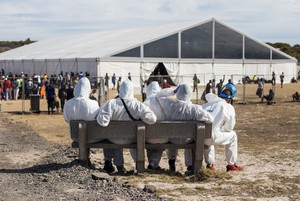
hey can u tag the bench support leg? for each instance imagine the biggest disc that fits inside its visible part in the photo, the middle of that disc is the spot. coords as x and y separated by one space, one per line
83 146
140 161
199 151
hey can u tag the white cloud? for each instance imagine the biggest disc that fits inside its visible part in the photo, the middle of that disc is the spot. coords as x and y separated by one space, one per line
266 20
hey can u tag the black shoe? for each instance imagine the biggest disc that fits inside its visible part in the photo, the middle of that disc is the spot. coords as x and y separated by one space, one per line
150 167
190 168
121 169
108 167
172 166
157 168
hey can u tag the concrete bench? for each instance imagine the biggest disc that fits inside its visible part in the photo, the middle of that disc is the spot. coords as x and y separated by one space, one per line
84 131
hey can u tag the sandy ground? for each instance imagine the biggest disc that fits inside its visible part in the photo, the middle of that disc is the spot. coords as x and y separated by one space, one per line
269 139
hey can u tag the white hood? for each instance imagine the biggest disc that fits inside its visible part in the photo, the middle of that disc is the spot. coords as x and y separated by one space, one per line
184 93
126 90
152 89
82 88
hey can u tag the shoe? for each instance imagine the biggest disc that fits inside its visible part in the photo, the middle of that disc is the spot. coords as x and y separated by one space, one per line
108 167
121 169
210 166
190 168
234 167
151 167
172 166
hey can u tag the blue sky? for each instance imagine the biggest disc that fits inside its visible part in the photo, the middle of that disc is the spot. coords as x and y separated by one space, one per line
265 20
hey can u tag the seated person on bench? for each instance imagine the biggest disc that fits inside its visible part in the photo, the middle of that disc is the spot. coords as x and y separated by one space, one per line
182 109
81 107
123 108
268 97
222 129
153 92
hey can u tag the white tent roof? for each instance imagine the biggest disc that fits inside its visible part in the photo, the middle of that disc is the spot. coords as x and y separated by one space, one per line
104 44
93 45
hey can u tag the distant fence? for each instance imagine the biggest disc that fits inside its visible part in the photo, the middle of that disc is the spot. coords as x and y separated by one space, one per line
246 90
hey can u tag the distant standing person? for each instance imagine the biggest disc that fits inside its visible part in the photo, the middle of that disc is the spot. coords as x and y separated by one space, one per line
213 86
129 76
62 95
219 86
281 79
260 88
119 84
113 80
106 78
50 95
273 78
69 92
196 81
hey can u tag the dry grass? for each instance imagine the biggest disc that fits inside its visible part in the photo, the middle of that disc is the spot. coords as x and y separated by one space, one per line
268 146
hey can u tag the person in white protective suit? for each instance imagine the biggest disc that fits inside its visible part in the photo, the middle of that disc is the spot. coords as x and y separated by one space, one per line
81 107
222 132
183 109
115 110
153 91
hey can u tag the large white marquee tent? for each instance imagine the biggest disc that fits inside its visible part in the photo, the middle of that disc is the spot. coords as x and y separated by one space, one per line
209 48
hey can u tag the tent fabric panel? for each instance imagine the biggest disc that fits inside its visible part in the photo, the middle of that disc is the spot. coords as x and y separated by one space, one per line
121 69
146 70
203 71
231 71
173 72
289 70
260 70
29 67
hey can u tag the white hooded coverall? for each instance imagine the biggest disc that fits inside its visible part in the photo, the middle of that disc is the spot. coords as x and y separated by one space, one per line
81 107
222 129
183 109
154 155
115 110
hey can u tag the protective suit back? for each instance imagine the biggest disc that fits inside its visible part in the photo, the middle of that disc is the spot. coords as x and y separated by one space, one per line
80 107
114 110
151 101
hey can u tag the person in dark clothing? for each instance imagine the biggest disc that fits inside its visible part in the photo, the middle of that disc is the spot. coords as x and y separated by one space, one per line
296 97
268 97
219 86
50 95
273 78
69 92
62 95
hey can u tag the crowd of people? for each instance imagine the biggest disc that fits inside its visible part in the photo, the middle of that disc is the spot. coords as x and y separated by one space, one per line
158 105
